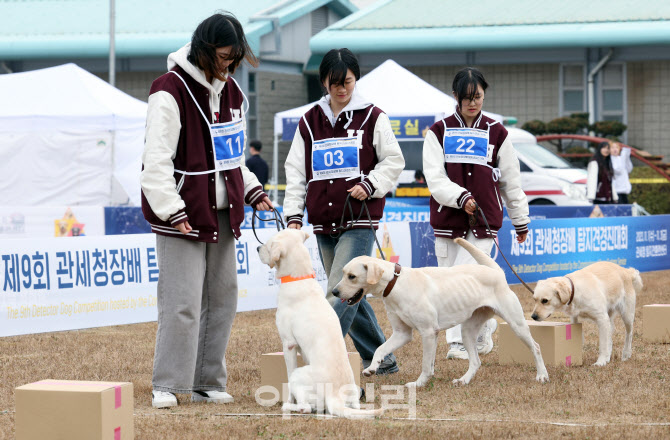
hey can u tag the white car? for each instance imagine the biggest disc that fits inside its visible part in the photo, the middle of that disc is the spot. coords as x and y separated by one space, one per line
546 178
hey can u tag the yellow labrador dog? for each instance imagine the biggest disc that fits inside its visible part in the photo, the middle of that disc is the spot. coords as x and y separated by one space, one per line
431 299
307 323
597 292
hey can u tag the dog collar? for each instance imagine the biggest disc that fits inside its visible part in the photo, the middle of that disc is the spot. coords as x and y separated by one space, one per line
389 286
289 279
572 290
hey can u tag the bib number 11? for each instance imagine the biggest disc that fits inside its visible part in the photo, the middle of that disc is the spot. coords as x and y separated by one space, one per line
229 144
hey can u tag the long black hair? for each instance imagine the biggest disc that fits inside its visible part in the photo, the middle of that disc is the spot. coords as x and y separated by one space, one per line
604 162
220 30
465 84
334 67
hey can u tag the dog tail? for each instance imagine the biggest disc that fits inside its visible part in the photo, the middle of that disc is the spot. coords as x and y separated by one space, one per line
337 408
637 280
477 254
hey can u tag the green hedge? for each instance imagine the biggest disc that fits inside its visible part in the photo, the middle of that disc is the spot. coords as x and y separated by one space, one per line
654 197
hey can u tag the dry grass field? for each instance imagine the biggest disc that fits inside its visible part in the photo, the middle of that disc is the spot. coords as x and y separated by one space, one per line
621 400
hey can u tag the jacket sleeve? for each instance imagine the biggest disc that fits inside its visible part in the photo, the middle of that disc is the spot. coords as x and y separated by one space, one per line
385 175
443 190
510 187
592 180
296 181
160 147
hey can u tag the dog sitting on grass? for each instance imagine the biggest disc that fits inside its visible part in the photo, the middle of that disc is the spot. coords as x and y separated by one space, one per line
307 323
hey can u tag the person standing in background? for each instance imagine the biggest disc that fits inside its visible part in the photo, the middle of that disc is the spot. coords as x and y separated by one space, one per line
194 187
599 177
621 166
256 164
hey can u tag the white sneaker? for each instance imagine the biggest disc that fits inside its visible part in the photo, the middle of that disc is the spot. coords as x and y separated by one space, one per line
457 351
163 399
211 397
484 340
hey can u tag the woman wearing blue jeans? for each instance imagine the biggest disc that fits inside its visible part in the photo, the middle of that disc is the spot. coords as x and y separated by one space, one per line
344 145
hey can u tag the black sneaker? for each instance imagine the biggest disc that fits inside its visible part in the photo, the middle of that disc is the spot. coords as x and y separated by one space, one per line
387 366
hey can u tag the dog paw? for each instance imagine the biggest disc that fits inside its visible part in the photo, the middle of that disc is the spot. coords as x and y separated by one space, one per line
542 378
304 409
411 385
600 363
459 382
369 372
625 357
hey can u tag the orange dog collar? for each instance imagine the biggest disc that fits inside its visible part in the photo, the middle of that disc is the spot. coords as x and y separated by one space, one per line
289 279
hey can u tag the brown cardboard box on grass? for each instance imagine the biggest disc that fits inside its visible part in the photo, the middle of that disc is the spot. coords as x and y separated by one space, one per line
273 373
560 343
74 410
656 323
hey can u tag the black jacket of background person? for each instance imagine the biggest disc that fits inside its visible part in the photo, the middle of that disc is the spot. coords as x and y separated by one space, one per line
259 167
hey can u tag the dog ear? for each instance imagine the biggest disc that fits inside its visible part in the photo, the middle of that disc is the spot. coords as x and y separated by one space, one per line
375 272
305 235
276 250
563 291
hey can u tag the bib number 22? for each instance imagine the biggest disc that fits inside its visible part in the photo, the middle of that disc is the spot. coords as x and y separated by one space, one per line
461 144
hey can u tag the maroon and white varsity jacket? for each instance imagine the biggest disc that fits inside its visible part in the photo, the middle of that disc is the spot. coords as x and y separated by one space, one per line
178 139
380 159
454 184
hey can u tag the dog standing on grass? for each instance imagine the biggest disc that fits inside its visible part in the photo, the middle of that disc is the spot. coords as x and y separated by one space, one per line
430 299
597 292
307 323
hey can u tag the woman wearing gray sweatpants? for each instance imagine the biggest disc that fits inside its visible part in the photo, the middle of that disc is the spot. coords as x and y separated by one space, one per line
194 187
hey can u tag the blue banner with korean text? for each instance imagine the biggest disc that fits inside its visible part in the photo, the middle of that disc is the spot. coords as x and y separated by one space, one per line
559 246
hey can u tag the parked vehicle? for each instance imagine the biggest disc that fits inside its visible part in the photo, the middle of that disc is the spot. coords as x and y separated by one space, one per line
546 178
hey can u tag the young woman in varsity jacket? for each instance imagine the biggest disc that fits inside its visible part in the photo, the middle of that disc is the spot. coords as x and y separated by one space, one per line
194 187
343 145
599 178
469 160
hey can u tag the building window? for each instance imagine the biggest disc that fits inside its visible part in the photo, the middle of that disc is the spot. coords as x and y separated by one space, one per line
572 96
612 99
319 19
252 113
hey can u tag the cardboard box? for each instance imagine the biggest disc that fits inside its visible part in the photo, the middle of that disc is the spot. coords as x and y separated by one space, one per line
560 343
273 373
74 410
656 323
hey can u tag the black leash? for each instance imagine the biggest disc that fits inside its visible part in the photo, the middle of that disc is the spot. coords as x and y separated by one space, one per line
473 221
276 218
337 231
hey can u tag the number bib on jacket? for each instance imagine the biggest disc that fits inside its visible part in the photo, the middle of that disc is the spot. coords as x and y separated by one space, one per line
466 145
228 140
335 158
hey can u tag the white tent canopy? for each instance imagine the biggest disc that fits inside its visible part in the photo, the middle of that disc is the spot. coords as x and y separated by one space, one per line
68 138
393 89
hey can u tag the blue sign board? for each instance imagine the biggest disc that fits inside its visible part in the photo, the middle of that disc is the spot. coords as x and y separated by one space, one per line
559 246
